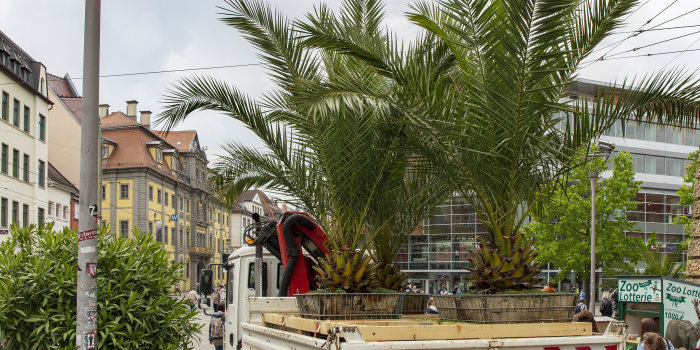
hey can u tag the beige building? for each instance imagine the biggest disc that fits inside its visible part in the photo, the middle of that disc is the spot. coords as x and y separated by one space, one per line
23 137
65 120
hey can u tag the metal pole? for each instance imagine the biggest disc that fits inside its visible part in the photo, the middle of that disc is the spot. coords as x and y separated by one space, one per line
86 320
593 174
258 259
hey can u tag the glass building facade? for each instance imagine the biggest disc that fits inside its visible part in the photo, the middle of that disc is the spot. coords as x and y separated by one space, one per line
435 254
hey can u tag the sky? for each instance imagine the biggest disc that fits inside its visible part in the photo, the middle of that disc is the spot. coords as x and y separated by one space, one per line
154 35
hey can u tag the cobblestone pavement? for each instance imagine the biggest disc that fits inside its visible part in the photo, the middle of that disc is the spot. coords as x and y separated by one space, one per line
204 333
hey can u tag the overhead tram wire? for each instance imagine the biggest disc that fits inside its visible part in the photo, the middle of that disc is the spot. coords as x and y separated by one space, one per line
652 44
649 54
635 33
680 53
623 20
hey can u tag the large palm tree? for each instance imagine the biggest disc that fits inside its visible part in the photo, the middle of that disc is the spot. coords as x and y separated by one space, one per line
485 105
344 167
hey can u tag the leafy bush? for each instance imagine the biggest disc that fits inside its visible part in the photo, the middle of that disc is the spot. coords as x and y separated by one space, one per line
38 269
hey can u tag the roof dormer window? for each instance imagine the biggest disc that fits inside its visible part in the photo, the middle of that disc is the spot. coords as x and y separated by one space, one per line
159 155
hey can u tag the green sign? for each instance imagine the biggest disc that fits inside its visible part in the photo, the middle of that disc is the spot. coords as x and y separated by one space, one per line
639 290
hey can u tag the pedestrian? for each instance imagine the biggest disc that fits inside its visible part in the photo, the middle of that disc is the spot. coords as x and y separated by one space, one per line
443 290
414 289
215 298
654 341
216 330
192 297
606 308
432 309
583 295
408 288
613 298
581 306
457 290
222 297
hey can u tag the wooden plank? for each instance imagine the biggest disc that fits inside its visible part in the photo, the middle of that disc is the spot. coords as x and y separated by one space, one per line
398 330
471 331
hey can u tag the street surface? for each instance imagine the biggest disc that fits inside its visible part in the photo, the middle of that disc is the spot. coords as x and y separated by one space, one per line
204 333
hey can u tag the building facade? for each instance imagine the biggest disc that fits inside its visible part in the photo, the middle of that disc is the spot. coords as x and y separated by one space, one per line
23 138
436 252
157 183
62 195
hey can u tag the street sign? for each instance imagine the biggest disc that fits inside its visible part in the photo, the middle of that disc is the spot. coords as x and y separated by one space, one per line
639 290
173 217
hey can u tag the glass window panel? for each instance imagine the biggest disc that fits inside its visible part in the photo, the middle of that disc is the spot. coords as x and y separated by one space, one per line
635 216
438 229
690 137
660 166
630 130
441 210
674 136
638 162
660 133
650 164
650 133
640 132
655 217
674 167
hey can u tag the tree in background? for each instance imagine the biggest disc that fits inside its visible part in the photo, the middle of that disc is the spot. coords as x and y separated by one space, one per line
38 269
685 192
563 231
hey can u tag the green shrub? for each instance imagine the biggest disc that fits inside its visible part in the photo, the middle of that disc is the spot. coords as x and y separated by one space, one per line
38 269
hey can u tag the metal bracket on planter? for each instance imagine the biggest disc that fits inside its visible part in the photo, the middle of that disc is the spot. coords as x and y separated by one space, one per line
351 335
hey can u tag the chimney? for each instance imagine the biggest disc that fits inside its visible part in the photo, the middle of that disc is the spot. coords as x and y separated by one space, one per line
146 119
131 109
104 110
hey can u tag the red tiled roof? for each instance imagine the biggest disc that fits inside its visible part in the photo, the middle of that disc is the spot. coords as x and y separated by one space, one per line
56 176
117 119
131 150
60 86
180 139
75 105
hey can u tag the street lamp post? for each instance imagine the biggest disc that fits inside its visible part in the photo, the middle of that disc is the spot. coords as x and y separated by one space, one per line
604 149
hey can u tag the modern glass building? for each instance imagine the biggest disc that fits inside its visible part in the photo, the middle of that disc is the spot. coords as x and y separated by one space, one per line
435 254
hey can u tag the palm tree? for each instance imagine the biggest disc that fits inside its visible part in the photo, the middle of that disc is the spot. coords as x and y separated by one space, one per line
655 261
340 166
482 100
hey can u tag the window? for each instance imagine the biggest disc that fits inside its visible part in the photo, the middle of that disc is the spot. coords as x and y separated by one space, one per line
42 128
165 198
15 113
172 197
104 192
150 226
3 159
173 241
25 168
50 208
150 193
65 212
105 152
25 214
181 207
15 212
159 155
124 228
40 217
27 118
159 196
124 191
41 173
5 106
15 163
57 212
3 212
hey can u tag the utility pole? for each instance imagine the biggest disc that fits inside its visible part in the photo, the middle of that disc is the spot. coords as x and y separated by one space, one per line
86 320
593 175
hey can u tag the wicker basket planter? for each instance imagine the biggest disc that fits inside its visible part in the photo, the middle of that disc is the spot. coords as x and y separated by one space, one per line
414 304
507 308
334 306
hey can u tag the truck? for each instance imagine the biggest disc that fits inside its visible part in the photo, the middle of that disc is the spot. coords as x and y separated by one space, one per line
271 322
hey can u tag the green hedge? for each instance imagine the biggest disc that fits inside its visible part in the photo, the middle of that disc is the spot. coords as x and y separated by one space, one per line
38 269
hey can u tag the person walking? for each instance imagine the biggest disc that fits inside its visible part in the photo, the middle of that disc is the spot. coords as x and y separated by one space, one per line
216 329
581 306
613 299
192 297
215 298
606 308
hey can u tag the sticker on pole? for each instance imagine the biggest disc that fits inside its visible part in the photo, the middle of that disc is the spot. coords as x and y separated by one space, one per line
93 210
90 340
91 269
85 235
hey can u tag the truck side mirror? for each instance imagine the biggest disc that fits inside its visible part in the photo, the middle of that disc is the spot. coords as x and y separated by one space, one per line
205 279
